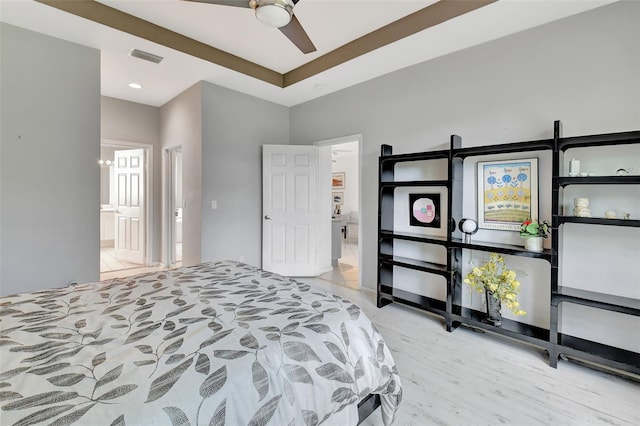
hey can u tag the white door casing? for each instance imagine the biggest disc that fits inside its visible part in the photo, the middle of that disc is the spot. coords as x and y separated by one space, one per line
129 216
289 209
176 206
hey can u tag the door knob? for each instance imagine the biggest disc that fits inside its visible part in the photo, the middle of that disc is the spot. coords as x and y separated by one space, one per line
267 217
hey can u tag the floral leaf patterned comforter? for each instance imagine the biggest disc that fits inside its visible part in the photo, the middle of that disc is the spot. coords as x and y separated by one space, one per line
215 344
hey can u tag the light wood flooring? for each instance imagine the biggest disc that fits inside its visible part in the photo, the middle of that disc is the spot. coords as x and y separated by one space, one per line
109 262
346 272
470 378
110 267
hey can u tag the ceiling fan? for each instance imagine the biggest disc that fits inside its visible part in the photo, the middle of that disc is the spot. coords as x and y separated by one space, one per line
275 13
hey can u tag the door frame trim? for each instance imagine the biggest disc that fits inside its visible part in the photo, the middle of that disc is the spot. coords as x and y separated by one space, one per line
148 208
337 141
167 208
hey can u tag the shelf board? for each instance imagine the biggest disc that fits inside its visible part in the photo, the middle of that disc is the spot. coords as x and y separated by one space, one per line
418 265
516 147
514 329
396 184
420 238
598 353
419 301
501 248
621 138
598 180
599 221
418 156
386 289
625 305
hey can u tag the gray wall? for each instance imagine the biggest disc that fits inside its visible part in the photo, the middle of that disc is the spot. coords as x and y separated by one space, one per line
584 70
181 125
49 176
234 128
126 121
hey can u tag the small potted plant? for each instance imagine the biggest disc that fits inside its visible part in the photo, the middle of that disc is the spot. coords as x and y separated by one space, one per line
499 285
533 233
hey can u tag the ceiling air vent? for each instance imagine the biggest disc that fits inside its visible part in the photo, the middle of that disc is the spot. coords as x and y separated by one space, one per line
140 54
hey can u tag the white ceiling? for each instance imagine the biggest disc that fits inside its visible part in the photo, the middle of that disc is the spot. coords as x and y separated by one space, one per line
236 31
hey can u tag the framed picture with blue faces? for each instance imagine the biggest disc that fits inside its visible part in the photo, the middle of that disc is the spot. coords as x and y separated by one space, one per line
424 210
507 193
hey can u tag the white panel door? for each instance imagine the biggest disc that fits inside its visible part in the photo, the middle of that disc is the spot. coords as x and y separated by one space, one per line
130 198
290 209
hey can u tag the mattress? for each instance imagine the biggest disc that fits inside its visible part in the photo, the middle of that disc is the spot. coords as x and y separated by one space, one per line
219 343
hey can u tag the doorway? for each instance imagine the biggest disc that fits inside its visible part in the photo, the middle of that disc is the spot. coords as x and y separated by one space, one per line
175 204
125 197
345 154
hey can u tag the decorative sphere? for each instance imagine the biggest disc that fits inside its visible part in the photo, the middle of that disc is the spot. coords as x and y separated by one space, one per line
469 226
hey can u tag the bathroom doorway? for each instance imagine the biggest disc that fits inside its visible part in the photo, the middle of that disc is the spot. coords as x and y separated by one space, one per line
125 194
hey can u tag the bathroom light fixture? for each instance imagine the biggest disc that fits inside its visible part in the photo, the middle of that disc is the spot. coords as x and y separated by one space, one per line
105 162
135 85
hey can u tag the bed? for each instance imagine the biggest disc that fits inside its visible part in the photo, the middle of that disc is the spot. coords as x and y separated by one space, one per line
213 344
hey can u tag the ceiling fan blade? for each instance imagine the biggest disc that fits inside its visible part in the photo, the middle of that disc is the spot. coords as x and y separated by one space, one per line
237 3
294 32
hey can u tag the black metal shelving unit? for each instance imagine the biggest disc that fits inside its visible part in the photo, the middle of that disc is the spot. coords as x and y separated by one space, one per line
564 344
472 318
451 309
387 293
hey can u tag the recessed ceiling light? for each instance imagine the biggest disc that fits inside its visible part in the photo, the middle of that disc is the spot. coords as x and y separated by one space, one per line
135 85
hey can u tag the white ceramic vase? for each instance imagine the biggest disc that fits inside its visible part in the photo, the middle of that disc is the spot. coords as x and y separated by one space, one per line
533 244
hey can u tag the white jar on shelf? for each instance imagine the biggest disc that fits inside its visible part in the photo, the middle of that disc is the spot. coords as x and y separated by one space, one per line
574 167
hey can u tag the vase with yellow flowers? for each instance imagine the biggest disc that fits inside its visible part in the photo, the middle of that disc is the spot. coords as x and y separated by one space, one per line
499 285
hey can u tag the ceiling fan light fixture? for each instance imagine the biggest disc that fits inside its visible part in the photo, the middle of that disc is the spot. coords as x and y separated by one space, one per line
274 13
